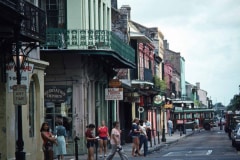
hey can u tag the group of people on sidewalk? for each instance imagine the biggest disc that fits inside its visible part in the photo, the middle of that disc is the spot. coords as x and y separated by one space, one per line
139 134
53 142
102 138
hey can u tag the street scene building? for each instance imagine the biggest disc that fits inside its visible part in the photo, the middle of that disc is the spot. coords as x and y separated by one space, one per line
21 31
84 61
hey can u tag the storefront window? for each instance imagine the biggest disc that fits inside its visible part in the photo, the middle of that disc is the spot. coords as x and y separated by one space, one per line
58 105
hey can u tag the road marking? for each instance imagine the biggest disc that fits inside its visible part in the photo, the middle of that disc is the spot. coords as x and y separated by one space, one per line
209 152
189 153
168 154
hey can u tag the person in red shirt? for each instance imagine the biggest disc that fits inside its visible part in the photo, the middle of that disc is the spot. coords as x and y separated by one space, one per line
90 141
48 141
103 138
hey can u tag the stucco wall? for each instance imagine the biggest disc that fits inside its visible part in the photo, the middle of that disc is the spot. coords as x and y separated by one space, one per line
8 136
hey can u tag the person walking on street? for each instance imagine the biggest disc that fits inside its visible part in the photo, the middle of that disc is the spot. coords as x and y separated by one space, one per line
103 139
90 141
115 141
170 127
61 141
143 138
135 137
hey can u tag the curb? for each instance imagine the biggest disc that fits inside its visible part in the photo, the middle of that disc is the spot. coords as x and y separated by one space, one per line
164 144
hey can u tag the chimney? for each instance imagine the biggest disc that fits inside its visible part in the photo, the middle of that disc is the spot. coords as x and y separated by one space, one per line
165 44
198 85
126 9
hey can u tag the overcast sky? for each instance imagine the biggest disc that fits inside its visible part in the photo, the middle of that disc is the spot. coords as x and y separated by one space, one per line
205 32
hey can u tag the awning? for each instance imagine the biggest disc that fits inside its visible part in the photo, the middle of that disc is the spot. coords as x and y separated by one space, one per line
141 82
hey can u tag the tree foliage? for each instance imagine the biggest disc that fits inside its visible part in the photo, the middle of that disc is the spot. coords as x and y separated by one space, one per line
234 103
158 83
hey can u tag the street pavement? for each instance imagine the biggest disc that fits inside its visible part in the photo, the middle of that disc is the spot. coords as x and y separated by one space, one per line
155 146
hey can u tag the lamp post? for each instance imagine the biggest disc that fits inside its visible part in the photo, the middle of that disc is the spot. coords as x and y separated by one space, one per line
184 130
163 130
19 60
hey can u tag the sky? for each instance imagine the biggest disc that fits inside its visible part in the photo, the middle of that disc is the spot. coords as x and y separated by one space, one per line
205 32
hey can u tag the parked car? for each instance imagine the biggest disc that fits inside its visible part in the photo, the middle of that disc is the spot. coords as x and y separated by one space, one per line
235 136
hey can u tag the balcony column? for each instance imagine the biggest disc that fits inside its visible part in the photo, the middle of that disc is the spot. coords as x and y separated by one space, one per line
91 15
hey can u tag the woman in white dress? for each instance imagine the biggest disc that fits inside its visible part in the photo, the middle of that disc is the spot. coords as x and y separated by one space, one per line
61 142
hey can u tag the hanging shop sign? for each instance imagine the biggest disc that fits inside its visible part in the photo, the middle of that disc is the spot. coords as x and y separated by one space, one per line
157 100
168 106
140 109
113 93
115 83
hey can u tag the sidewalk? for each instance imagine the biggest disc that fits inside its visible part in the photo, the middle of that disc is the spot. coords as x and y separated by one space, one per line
155 147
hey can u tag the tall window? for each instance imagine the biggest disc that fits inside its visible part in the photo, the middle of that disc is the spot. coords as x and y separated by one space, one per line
31 115
56 13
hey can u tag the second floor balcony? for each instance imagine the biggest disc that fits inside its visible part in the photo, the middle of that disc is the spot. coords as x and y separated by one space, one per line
99 40
30 19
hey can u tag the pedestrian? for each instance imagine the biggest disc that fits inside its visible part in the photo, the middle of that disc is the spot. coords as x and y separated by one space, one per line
115 141
135 137
143 138
197 124
147 123
48 141
61 140
90 138
170 127
103 139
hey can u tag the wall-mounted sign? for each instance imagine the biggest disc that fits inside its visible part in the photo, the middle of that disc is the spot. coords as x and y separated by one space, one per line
12 78
113 93
55 93
19 94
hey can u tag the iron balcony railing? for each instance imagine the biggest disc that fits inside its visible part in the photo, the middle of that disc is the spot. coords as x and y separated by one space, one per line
10 3
33 26
88 39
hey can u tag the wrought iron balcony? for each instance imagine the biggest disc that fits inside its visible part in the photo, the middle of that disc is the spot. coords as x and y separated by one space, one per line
88 39
31 18
34 27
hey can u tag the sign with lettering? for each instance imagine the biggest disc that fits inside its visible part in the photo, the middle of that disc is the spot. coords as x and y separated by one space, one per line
55 94
114 83
12 77
19 94
113 93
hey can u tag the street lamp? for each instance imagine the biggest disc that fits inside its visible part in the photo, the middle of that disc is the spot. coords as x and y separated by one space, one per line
163 130
184 131
19 58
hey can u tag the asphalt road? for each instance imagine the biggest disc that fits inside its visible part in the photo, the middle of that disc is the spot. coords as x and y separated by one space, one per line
206 145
